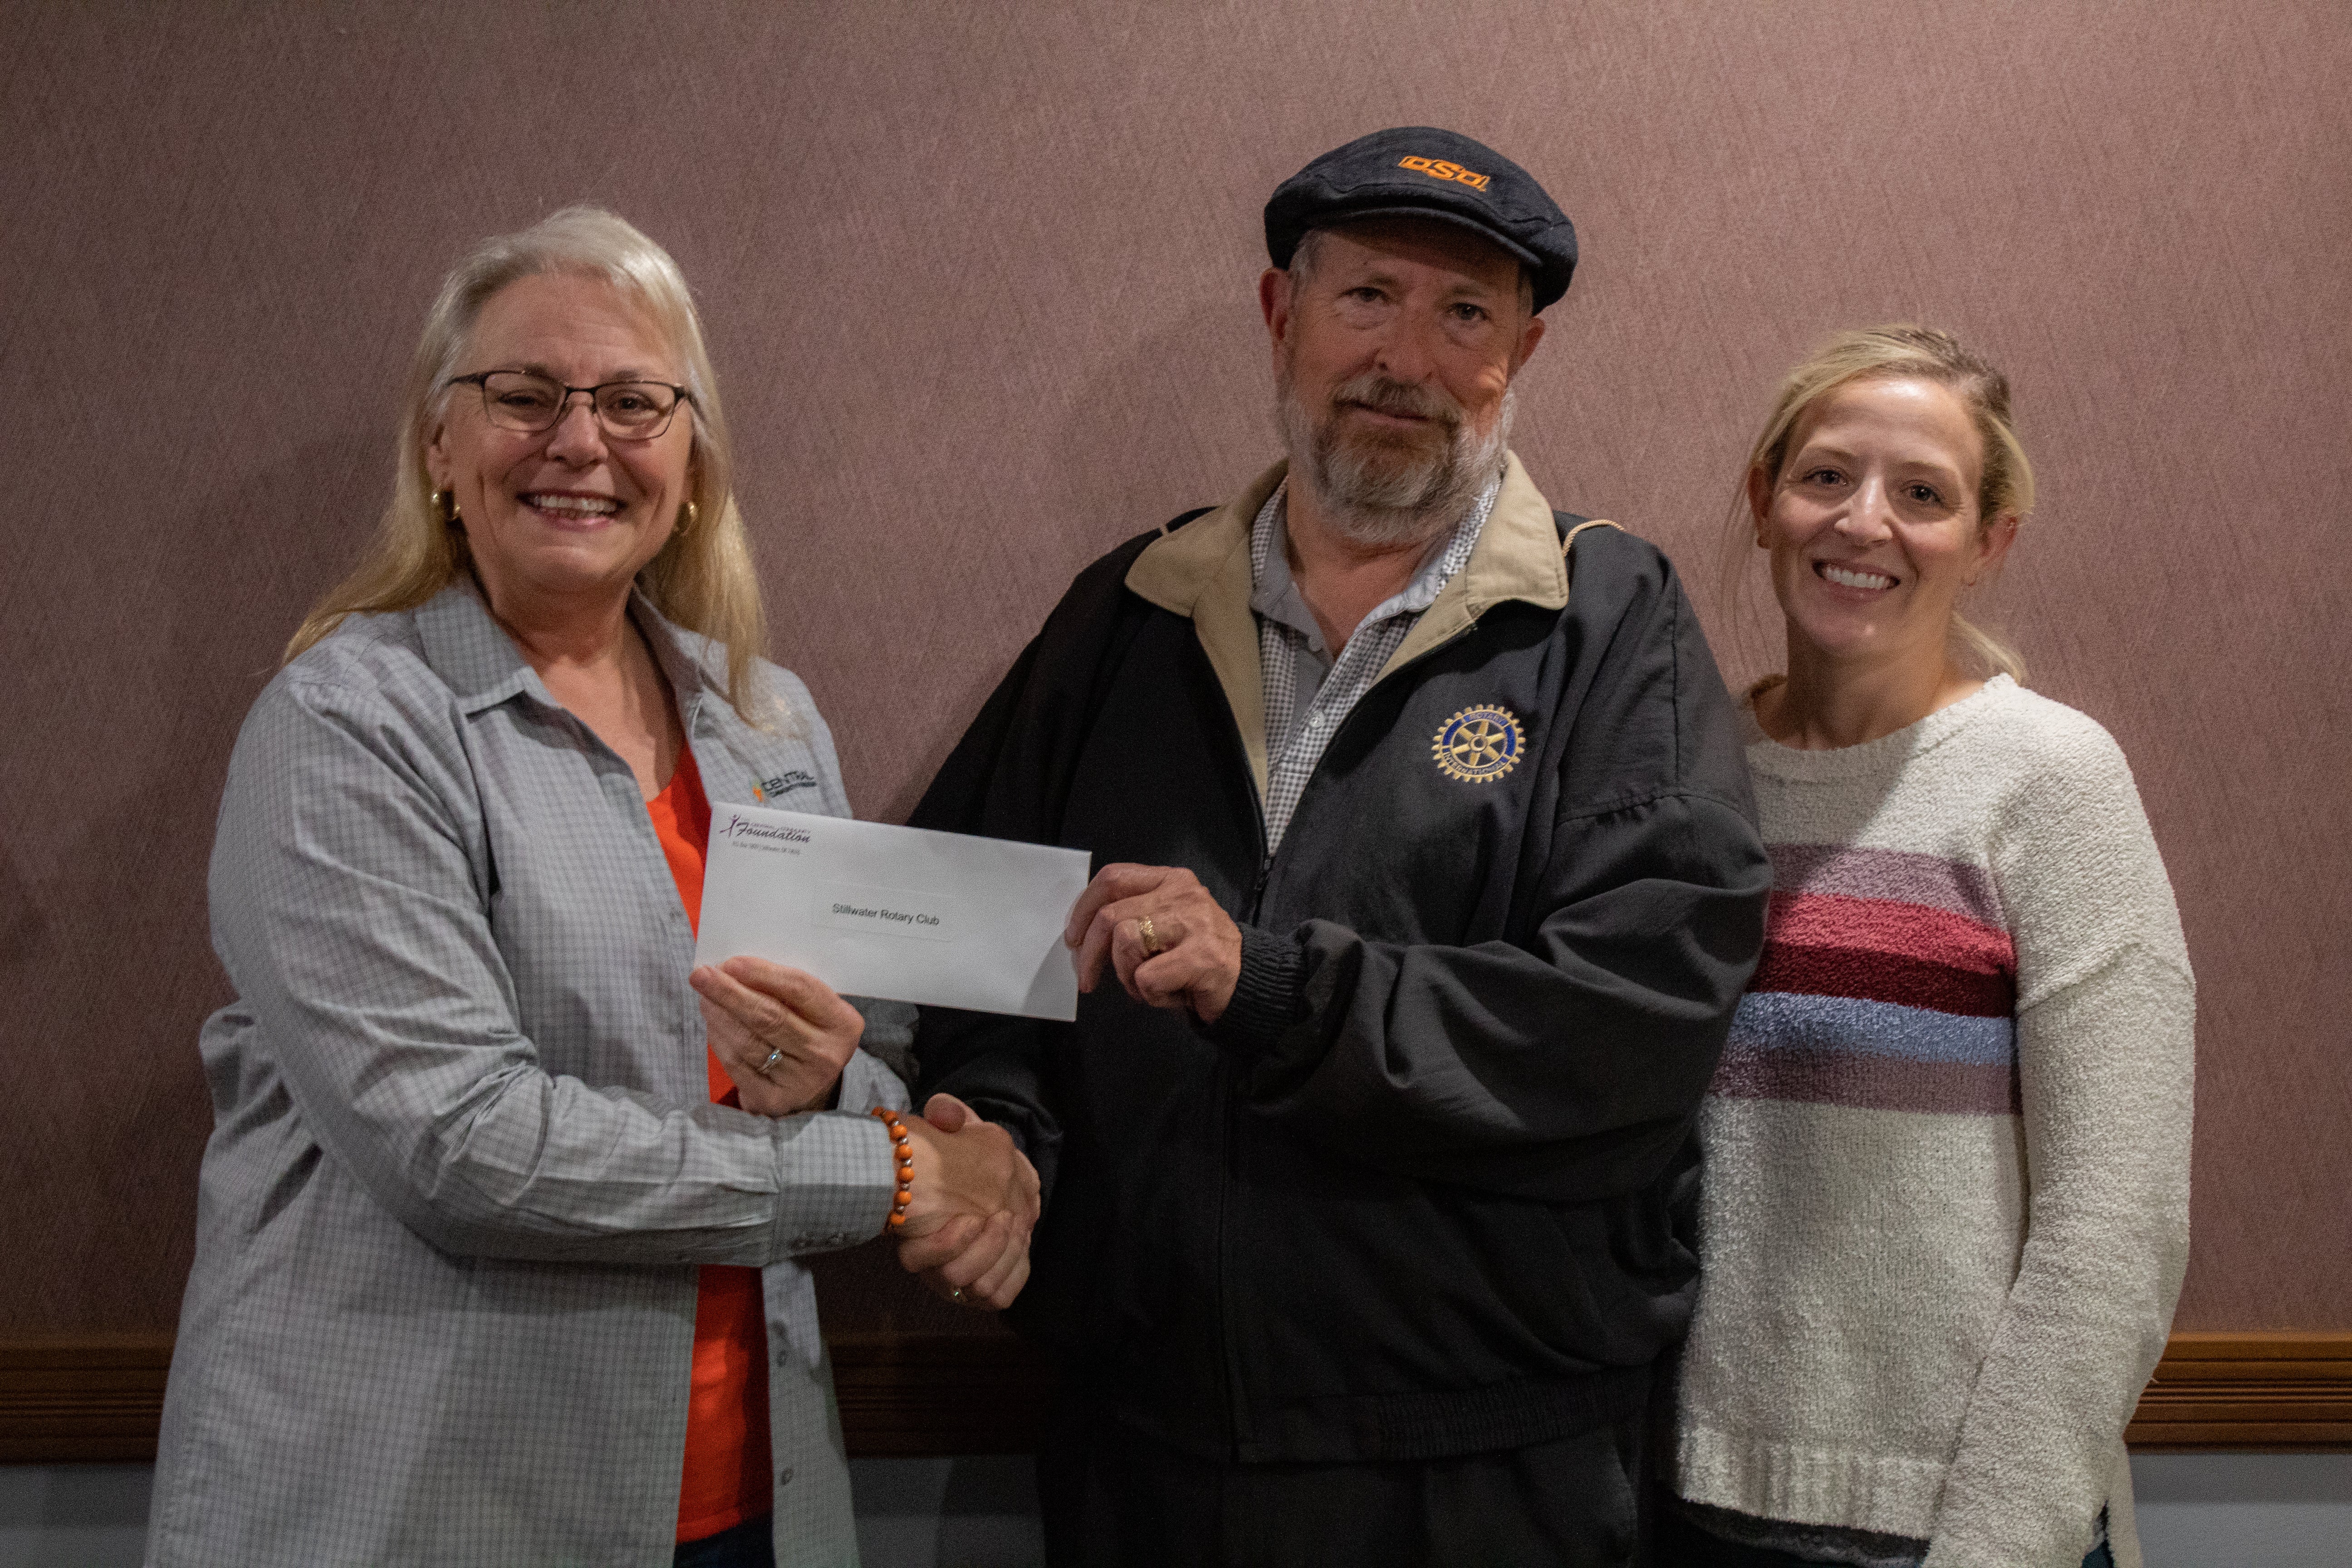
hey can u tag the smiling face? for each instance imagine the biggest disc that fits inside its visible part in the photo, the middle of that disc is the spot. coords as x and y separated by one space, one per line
567 515
1395 352
1873 523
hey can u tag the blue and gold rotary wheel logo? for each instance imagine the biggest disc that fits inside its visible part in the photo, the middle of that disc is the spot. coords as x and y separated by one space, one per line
1479 745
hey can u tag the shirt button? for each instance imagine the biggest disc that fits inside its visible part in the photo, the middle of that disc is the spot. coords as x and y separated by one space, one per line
784 1358
784 1477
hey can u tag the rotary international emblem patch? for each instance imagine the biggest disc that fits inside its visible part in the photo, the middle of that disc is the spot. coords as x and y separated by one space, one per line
1479 745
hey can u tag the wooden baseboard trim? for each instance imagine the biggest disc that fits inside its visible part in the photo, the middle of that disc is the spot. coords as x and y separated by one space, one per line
67 1400
904 1397
2247 1391
101 1397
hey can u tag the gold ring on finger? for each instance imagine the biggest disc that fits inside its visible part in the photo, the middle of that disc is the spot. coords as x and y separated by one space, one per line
1150 938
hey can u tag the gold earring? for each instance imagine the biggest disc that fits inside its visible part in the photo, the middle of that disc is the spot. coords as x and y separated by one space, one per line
445 503
687 516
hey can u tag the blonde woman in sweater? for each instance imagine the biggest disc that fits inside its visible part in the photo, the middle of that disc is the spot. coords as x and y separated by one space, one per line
1947 1200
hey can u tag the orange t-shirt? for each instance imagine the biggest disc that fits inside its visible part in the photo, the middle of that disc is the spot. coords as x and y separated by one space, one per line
726 1479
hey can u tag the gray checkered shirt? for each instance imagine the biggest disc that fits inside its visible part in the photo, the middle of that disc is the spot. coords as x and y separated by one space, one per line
464 1161
1308 694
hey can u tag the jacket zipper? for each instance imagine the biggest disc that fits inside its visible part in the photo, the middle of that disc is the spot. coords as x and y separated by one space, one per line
1229 1090
1229 1113
1265 875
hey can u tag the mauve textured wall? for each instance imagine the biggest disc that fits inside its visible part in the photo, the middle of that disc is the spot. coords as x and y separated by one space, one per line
978 280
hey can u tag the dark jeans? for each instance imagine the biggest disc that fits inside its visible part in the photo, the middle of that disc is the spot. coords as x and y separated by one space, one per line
1682 1544
1112 1497
748 1545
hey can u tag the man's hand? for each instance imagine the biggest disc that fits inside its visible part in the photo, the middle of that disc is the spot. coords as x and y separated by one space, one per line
975 1202
753 1010
1169 941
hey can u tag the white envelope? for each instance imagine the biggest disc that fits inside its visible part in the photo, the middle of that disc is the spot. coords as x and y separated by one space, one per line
902 913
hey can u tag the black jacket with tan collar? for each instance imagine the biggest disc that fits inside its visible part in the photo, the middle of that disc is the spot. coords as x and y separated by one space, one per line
1411 1195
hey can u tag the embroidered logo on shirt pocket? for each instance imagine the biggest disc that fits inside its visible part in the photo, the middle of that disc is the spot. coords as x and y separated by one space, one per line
783 783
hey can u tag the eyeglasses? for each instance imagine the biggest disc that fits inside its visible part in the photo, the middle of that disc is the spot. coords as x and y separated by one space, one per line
626 410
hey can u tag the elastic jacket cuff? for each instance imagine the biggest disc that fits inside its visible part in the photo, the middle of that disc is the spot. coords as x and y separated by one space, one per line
1266 996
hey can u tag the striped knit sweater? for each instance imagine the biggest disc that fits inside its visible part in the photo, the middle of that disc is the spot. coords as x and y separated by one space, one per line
1945 1206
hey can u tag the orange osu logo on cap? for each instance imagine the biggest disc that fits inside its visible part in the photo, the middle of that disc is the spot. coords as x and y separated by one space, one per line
1438 169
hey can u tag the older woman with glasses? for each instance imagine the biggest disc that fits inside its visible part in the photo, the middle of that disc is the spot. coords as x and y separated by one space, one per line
498 1223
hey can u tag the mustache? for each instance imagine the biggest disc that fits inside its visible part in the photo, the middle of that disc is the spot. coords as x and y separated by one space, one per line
1388 487
1384 394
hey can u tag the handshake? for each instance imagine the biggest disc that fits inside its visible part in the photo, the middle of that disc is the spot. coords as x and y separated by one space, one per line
974 1203
784 1035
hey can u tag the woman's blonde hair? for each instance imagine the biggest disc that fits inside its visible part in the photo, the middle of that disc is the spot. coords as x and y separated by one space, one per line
702 579
1874 353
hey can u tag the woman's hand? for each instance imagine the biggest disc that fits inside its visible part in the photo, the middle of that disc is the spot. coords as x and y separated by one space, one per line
783 1035
974 1203
1169 942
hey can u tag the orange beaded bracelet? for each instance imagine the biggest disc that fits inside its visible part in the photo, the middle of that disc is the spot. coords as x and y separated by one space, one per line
905 1152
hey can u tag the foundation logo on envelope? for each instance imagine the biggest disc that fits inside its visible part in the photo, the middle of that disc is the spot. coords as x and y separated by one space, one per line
773 837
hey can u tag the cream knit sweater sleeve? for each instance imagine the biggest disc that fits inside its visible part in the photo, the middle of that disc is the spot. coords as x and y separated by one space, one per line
2106 1019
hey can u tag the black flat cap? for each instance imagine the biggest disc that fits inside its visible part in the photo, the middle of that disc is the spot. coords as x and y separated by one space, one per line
1418 171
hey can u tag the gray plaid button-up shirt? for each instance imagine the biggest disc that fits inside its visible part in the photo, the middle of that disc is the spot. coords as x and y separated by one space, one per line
465 1161
1308 692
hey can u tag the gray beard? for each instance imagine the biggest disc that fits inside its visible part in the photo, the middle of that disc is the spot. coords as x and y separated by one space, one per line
1381 495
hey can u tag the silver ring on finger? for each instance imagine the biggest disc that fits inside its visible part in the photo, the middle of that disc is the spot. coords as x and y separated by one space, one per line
765 1068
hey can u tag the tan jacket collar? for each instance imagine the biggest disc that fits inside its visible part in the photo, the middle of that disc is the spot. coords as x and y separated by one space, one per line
1203 571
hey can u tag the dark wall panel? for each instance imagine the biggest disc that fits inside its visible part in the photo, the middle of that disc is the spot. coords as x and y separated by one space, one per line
979 285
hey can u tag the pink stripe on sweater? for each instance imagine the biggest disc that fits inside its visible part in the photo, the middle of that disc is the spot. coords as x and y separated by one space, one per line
1953 886
1876 1083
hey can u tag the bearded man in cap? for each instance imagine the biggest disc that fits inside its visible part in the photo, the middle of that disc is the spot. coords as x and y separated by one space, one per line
1428 879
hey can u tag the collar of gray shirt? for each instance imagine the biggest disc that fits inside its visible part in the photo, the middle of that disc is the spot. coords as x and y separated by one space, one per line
1274 592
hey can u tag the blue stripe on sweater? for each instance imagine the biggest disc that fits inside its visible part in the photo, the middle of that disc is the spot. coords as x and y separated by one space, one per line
1782 1020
